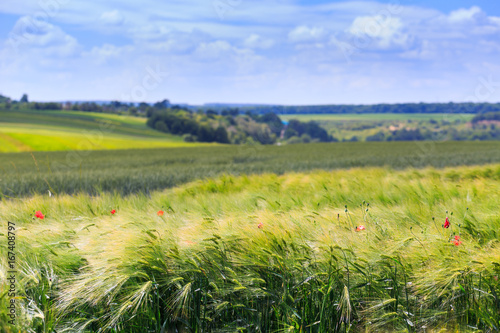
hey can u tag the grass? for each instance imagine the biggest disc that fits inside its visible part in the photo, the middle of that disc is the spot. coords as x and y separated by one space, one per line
265 253
133 171
72 130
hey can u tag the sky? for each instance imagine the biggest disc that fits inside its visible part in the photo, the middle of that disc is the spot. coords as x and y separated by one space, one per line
292 52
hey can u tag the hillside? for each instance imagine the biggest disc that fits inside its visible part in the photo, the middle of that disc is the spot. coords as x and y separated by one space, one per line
37 130
23 128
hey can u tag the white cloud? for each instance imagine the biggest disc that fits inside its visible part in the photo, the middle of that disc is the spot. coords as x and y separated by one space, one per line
376 26
463 14
380 31
223 51
213 50
305 33
113 17
495 20
255 41
174 41
253 54
42 37
107 52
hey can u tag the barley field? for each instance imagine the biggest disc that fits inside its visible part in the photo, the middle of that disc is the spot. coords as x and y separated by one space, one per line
360 250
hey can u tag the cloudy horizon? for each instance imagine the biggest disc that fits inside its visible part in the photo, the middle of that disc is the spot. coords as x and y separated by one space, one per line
257 52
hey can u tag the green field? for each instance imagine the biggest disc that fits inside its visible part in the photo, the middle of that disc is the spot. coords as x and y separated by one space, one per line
129 171
73 130
378 116
306 238
264 253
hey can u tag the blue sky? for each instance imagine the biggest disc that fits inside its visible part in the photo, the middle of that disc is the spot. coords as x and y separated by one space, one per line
251 51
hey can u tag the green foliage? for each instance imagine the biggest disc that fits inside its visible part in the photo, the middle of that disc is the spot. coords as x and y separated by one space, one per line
405 127
46 106
408 108
224 128
273 121
311 128
203 128
489 116
4 99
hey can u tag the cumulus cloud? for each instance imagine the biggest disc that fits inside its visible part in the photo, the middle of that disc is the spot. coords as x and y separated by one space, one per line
463 14
376 26
296 46
107 52
222 50
305 33
113 17
224 59
255 41
213 50
386 31
495 20
48 39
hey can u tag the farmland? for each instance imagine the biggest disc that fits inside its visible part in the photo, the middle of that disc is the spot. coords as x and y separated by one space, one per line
403 127
398 126
131 171
318 237
30 130
265 253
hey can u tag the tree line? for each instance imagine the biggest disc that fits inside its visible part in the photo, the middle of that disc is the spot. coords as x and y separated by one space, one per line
378 108
229 126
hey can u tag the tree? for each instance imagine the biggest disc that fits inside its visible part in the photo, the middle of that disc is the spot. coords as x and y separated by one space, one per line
273 121
221 135
162 105
133 111
4 99
143 106
211 114
24 98
205 134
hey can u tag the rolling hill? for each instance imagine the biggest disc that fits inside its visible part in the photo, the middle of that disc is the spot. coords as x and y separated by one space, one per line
31 130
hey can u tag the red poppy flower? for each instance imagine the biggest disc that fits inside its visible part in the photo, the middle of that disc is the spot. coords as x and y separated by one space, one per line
160 213
361 227
446 223
260 225
113 211
457 241
39 215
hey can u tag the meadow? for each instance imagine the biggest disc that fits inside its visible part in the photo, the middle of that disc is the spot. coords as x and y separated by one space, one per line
146 170
32 130
359 250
